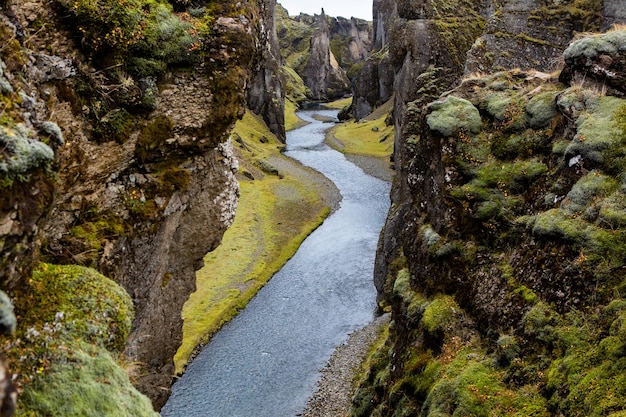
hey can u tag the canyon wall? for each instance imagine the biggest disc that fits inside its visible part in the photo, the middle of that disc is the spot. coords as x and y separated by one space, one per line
322 54
502 258
116 153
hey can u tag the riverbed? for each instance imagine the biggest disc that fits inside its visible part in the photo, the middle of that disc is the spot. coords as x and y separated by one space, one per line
265 363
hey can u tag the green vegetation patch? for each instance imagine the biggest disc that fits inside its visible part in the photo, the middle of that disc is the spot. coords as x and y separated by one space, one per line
146 32
365 137
72 322
89 384
453 115
292 121
601 135
611 43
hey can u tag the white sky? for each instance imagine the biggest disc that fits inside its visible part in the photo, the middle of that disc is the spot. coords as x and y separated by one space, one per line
336 8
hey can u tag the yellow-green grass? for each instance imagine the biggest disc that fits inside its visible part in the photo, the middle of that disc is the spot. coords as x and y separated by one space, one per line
292 121
273 217
339 104
365 137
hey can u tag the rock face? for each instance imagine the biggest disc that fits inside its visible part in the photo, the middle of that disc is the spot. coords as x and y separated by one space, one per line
322 73
531 35
116 151
498 240
322 53
267 94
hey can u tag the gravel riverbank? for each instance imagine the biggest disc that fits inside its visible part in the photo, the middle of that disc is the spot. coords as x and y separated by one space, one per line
333 395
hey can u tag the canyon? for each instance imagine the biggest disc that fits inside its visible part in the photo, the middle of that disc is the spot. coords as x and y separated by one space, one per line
502 259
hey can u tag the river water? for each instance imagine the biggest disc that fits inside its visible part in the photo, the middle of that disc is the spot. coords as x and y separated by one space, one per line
266 361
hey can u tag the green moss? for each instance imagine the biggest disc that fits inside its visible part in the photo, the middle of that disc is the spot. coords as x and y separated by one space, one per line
86 240
583 15
439 314
469 387
101 309
541 109
145 32
115 125
402 284
505 176
592 187
70 317
600 138
172 178
429 236
89 383
453 115
508 108
295 90
610 43
153 135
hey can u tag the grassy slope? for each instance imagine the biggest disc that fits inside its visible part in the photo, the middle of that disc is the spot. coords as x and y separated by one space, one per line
274 216
367 137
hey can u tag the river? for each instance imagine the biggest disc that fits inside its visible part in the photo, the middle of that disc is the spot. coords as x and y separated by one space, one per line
266 361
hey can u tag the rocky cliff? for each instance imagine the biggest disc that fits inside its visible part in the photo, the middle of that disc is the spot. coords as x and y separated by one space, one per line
322 53
116 155
502 258
266 96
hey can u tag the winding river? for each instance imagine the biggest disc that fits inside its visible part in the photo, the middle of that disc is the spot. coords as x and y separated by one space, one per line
265 363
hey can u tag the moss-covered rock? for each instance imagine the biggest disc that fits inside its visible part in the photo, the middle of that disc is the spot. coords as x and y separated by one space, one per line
73 324
22 153
89 383
454 115
509 300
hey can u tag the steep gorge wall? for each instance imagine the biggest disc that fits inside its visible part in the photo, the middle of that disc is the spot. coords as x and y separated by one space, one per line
266 96
323 53
496 245
118 118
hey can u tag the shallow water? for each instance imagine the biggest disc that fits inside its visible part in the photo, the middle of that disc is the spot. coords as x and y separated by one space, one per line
265 363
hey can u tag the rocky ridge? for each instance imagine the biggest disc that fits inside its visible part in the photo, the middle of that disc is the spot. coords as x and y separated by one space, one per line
322 54
503 238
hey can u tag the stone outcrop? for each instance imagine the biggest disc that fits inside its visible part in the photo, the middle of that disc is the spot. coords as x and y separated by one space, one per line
266 95
495 242
598 61
322 74
531 34
323 54
117 153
